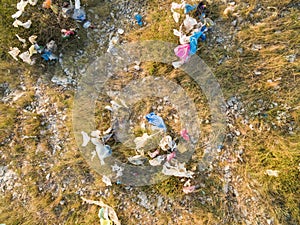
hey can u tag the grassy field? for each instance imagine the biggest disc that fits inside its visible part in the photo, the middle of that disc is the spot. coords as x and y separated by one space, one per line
265 80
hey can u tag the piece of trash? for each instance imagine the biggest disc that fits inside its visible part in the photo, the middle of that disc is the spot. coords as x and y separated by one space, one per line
189 189
153 154
157 161
178 64
189 23
291 58
21 39
21 5
156 121
51 46
67 9
176 16
184 134
120 31
137 160
140 142
110 211
194 41
272 173
17 14
32 39
118 169
103 151
182 51
103 215
96 133
171 156
86 138
32 2
14 52
49 56
139 19
18 23
47 4
106 180
32 50
175 168
188 8
166 143
79 13
67 33
25 56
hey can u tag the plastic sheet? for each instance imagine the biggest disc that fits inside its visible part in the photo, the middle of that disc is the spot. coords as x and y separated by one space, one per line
182 51
156 121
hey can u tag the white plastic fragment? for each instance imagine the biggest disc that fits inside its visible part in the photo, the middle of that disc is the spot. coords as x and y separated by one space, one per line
106 180
175 168
189 23
21 39
111 212
18 23
32 2
96 133
32 39
77 4
103 151
157 161
25 56
21 5
118 169
32 50
137 160
17 14
166 143
273 173
176 16
120 31
14 52
86 138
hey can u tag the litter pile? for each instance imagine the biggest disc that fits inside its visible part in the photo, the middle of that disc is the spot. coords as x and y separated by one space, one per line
191 29
48 52
155 147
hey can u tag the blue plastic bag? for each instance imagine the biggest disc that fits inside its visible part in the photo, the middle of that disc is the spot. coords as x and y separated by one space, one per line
139 19
156 120
47 55
194 40
188 8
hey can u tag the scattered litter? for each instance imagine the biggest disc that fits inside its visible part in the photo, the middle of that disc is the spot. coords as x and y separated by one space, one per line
14 52
86 138
120 31
156 121
184 134
25 56
137 160
106 180
272 173
119 170
189 189
153 154
175 168
139 19
109 210
157 161
47 4
182 51
18 23
166 143
66 34
32 39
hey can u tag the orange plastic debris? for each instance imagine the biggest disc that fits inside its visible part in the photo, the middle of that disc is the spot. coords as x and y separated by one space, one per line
47 4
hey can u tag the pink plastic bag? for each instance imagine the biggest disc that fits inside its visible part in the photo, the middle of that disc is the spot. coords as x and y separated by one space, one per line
182 51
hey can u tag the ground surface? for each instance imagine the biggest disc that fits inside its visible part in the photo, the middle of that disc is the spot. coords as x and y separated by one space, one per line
253 54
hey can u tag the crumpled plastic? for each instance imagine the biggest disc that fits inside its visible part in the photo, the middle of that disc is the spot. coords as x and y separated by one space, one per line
86 138
49 56
176 15
67 33
139 19
47 4
182 51
32 39
157 161
189 189
175 168
25 56
156 121
103 151
106 180
166 143
21 39
79 13
272 173
171 156
18 23
32 2
194 41
184 134
14 52
189 23
32 50
137 160
153 154
188 8
21 5
106 208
